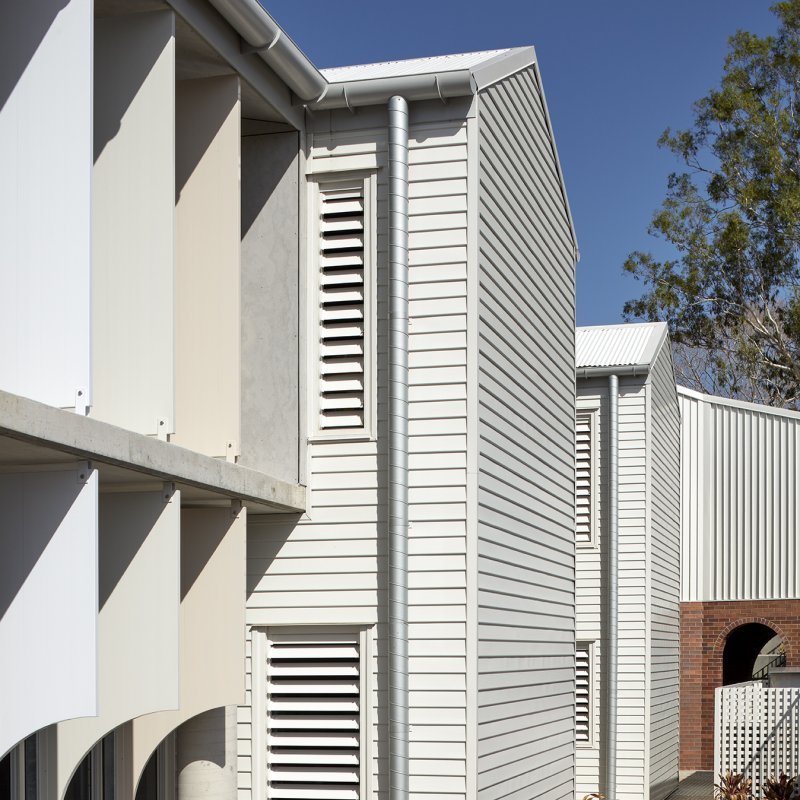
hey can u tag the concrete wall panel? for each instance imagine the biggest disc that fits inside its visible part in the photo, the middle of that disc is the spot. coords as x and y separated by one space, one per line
270 355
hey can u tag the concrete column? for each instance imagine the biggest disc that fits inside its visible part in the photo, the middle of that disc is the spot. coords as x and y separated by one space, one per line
206 756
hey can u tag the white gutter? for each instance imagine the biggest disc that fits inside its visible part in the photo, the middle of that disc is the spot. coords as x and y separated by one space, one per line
377 91
261 34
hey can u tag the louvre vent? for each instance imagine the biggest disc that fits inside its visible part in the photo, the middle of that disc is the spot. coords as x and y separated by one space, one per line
342 308
583 685
313 713
583 479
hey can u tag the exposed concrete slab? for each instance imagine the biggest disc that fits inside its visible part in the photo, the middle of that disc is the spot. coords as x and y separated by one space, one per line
90 439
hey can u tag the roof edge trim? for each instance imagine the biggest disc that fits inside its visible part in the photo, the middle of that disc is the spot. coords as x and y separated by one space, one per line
745 405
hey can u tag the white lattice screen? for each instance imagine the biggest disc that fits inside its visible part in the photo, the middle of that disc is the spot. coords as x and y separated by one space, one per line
757 731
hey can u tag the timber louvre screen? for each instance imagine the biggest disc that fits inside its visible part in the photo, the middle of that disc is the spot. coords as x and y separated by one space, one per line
342 306
313 716
583 693
584 494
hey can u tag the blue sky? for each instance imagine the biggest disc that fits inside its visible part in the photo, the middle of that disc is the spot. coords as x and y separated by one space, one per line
616 73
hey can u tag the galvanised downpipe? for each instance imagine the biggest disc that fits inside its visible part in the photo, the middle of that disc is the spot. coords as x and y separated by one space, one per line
398 448
613 585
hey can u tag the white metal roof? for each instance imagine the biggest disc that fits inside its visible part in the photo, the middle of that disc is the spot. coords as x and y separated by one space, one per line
412 66
629 345
743 405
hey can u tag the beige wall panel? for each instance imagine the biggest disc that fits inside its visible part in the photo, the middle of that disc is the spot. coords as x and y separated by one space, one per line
133 187
139 592
207 265
212 641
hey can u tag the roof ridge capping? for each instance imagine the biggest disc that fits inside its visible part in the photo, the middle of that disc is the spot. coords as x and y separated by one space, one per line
427 78
629 348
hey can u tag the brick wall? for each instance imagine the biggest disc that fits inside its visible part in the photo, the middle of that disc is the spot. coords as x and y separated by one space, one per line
704 630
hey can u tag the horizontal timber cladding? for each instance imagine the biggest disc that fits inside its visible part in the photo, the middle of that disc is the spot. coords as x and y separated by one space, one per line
329 568
526 409
634 581
664 577
741 501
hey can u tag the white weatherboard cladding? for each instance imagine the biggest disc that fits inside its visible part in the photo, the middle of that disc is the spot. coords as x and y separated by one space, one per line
45 163
740 486
330 568
133 239
48 617
665 577
634 609
526 451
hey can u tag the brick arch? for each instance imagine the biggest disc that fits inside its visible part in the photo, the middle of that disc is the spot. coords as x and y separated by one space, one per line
722 636
705 627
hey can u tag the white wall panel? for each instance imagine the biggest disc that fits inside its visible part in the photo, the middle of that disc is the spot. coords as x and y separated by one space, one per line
48 599
45 163
133 239
741 500
138 631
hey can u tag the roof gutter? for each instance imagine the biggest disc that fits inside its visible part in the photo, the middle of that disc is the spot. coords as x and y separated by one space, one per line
627 371
261 34
377 91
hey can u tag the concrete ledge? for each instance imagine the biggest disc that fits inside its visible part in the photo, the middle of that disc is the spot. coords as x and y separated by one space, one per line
45 426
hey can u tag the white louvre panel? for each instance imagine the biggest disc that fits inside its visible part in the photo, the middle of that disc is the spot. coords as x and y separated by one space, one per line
341 308
313 713
583 479
583 677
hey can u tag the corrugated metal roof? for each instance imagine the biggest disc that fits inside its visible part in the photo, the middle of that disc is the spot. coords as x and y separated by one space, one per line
618 345
412 66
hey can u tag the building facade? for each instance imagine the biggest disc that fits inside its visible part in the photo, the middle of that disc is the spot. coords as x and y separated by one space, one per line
195 391
642 736
740 606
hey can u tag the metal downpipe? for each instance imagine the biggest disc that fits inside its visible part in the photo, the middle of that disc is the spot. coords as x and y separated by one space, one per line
613 584
398 448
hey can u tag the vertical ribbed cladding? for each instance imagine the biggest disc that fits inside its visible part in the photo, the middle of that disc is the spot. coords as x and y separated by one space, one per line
398 448
613 584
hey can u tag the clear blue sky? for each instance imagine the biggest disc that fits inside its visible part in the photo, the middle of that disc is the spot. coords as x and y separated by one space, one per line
616 73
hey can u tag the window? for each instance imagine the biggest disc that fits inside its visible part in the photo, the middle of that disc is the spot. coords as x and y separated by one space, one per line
584 720
585 480
344 304
314 698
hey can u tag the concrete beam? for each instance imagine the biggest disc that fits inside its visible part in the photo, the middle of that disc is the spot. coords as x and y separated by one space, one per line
93 440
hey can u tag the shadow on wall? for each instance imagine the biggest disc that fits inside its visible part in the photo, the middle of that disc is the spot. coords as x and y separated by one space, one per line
23 27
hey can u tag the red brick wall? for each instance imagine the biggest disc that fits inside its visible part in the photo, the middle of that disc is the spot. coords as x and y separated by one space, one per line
704 630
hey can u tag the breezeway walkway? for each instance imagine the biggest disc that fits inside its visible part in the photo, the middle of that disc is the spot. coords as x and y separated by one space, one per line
698 786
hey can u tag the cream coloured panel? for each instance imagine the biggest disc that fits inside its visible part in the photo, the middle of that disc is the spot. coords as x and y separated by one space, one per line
133 242
139 597
207 265
212 632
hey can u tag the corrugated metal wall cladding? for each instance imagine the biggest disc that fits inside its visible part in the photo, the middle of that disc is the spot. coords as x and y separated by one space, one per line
526 454
740 488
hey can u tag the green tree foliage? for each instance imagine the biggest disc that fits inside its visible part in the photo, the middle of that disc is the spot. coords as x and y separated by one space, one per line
732 294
